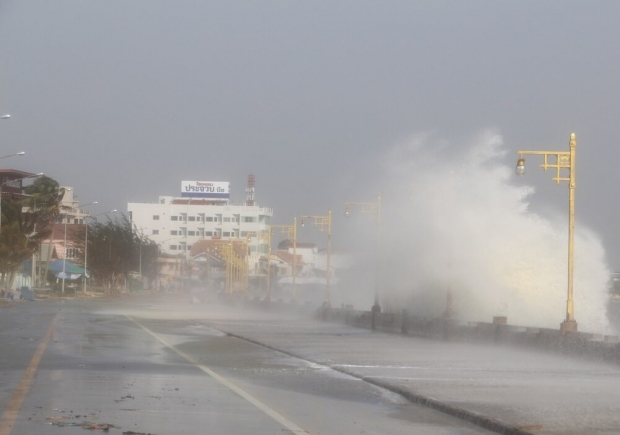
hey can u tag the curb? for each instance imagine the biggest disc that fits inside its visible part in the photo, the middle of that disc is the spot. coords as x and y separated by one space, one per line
479 420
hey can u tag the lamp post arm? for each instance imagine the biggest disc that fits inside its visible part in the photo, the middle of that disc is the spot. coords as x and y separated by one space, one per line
542 153
563 160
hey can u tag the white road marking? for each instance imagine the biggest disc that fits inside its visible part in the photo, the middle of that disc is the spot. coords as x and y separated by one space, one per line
7 421
222 380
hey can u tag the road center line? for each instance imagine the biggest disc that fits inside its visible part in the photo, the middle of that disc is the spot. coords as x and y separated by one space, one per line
7 421
247 396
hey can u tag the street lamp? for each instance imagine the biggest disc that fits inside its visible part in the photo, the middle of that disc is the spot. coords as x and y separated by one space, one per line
563 160
21 153
6 116
372 209
324 224
520 169
64 257
86 242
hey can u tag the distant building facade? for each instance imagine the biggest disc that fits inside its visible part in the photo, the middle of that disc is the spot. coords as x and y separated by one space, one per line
70 211
177 223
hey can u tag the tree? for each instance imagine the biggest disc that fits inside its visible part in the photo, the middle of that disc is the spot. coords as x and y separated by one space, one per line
26 222
115 249
150 255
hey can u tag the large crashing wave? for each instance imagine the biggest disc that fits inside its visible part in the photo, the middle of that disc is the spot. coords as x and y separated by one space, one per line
462 222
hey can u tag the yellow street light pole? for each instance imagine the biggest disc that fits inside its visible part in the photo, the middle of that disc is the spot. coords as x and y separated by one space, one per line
324 224
230 264
373 210
291 232
268 295
226 251
264 236
244 268
563 160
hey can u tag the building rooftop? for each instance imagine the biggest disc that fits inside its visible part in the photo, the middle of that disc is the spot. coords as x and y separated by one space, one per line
16 172
288 244
288 257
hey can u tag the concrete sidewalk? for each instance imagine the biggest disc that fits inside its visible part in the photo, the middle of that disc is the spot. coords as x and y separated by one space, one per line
528 391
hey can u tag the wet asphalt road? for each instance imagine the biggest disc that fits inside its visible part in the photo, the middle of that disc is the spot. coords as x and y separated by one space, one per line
156 366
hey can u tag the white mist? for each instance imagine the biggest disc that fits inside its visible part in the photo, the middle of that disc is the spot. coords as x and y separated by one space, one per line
461 221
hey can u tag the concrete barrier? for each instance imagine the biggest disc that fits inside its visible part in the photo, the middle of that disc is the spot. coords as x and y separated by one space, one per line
498 332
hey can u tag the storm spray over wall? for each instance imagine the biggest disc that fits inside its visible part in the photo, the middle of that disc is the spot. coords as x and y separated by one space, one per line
460 221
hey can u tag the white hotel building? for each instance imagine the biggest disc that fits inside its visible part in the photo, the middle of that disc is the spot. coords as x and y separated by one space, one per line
176 223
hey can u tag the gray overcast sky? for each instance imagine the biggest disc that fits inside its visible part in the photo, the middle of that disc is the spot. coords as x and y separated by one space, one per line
124 99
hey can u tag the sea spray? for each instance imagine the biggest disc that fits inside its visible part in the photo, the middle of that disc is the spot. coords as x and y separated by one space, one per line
459 221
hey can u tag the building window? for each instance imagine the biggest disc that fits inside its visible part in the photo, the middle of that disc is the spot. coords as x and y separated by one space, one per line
191 218
209 218
155 217
174 218
173 247
173 232
191 233
249 219
226 234
208 233
72 253
227 219
155 231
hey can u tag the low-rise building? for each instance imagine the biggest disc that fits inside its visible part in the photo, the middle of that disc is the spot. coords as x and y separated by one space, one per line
307 253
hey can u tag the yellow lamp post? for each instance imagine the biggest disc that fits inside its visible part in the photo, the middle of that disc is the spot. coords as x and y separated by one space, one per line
229 267
235 263
291 233
561 160
264 236
324 224
373 210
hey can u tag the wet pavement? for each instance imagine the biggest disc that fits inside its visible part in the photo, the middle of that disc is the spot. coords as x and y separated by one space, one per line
141 365
539 392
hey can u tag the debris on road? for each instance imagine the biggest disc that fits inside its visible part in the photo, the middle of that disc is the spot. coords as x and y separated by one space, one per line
64 423
89 425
